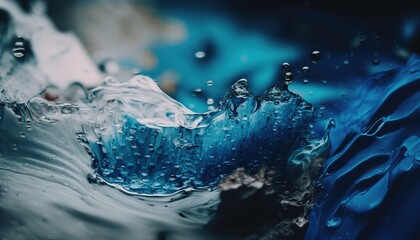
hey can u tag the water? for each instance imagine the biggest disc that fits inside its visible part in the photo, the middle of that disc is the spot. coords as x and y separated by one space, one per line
148 143
130 136
44 177
126 160
315 56
369 186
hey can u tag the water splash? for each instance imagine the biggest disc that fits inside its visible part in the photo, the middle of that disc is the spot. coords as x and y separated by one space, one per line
145 142
149 143
139 137
142 141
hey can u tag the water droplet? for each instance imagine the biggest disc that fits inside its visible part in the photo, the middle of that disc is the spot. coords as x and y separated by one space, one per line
14 147
172 177
91 178
288 77
198 90
209 83
345 62
210 101
322 107
200 54
305 81
20 48
22 135
305 69
18 52
285 67
376 62
324 81
315 56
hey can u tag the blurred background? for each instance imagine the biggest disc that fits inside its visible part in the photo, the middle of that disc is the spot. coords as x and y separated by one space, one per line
196 49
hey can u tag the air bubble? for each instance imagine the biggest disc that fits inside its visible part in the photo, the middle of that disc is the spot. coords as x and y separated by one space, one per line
209 83
305 81
305 69
210 101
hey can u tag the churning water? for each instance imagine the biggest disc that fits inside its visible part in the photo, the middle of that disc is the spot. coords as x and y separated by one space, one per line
126 160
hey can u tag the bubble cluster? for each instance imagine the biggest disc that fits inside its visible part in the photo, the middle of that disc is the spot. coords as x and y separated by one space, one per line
144 152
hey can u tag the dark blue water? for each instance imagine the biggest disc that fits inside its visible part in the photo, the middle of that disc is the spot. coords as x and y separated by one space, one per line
369 187
57 151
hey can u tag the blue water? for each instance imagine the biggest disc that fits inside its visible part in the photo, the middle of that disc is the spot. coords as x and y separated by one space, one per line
372 172
60 154
369 187
198 150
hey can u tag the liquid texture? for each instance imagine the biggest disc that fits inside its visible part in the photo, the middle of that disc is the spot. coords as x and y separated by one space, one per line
62 145
149 143
369 187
